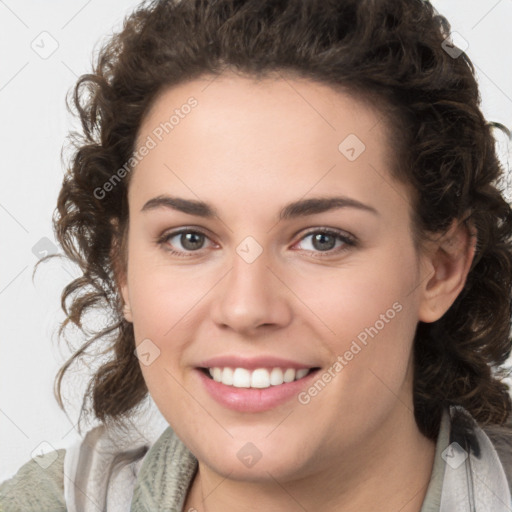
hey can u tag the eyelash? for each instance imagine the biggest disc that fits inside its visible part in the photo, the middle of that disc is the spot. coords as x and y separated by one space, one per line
348 241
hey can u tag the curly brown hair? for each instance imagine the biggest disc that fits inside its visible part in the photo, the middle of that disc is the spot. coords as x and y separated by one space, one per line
387 52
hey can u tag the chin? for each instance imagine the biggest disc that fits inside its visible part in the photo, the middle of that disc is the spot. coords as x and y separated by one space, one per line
254 462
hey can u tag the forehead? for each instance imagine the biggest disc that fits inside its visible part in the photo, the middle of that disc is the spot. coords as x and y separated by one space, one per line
216 134
229 102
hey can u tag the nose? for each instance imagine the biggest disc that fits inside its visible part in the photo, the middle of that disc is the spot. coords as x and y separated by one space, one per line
252 297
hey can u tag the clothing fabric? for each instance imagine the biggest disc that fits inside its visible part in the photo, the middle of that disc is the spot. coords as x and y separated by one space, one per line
468 474
107 471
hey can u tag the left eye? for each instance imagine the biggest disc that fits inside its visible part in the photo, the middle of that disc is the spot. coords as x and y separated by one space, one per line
325 241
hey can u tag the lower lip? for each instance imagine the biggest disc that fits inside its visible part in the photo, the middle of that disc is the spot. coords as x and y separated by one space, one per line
253 399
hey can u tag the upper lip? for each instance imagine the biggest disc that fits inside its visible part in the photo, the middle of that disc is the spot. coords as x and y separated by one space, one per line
252 363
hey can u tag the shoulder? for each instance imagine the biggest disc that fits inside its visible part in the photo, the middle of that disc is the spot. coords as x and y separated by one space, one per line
38 485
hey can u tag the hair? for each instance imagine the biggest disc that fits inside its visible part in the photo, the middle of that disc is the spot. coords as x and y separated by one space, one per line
390 53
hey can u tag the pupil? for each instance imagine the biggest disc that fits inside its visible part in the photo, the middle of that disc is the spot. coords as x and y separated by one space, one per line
189 241
320 237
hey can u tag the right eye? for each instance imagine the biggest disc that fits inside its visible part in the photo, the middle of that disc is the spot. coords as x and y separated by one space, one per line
190 239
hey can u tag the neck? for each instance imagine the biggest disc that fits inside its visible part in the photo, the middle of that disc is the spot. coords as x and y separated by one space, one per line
389 472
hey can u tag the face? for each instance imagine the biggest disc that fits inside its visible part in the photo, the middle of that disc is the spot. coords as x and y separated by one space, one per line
314 305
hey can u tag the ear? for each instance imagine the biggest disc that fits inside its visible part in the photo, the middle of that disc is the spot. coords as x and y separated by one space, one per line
449 259
117 252
127 311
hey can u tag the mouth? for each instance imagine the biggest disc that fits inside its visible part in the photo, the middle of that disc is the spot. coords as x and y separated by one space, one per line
258 378
255 384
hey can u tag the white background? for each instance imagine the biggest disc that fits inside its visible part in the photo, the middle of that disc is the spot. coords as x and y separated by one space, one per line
33 130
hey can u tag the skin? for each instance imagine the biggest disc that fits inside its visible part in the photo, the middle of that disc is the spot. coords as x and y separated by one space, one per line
248 148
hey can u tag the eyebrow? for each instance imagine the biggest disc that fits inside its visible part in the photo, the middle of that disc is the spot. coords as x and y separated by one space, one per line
301 208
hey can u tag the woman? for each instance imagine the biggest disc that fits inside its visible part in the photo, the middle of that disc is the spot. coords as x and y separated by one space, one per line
291 210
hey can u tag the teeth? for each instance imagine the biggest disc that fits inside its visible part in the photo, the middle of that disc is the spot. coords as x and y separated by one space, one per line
276 376
241 378
289 375
260 378
301 373
217 374
226 376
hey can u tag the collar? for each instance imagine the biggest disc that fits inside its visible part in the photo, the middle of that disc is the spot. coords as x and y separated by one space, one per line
467 475
165 476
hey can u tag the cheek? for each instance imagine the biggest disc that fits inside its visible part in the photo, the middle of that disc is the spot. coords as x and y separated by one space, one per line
367 293
163 298
368 316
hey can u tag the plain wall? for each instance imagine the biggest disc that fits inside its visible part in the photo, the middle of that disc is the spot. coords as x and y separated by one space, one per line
45 46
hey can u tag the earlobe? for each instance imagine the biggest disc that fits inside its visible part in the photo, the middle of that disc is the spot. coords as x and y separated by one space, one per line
122 286
450 257
127 312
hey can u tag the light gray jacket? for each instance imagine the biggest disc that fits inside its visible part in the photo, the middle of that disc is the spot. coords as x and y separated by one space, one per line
472 472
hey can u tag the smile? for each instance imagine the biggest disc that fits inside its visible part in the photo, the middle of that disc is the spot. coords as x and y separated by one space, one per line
259 378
